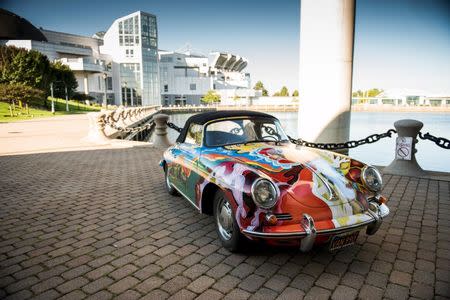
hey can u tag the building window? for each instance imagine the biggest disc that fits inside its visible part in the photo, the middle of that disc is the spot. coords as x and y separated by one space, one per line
129 32
129 53
192 86
166 88
109 83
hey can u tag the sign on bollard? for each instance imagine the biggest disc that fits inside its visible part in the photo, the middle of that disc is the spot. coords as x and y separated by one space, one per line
403 148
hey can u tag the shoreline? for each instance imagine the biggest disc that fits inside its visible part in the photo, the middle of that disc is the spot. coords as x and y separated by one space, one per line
295 108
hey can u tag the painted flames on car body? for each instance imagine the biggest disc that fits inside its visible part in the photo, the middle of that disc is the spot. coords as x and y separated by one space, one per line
322 184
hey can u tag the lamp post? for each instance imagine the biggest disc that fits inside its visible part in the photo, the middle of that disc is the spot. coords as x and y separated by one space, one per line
53 99
105 100
67 98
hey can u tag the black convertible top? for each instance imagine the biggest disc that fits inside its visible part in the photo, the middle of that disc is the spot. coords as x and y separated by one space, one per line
205 117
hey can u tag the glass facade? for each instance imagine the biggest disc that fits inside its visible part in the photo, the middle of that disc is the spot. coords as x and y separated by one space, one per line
150 66
130 76
139 81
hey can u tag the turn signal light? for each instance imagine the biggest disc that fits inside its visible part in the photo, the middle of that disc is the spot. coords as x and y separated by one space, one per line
271 219
382 199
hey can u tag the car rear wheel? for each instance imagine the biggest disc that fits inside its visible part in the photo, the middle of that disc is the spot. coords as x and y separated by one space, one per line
170 189
226 225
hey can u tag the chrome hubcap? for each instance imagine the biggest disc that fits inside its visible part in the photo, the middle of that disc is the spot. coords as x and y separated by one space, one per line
224 218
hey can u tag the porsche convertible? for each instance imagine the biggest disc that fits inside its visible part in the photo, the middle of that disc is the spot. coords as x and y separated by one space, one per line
241 168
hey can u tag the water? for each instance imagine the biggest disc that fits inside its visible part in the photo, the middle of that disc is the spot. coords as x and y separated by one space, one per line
429 155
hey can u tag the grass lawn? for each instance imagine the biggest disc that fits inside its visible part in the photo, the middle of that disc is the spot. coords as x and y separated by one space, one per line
60 109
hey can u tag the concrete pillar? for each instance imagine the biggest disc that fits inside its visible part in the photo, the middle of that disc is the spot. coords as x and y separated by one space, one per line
161 139
326 60
405 162
97 128
86 84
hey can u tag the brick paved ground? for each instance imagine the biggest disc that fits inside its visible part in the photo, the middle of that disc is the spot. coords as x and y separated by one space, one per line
98 224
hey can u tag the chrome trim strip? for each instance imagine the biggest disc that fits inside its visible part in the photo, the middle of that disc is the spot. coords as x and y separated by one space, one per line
294 235
324 180
283 217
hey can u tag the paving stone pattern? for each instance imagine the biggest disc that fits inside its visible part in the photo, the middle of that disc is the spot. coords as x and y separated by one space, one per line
99 225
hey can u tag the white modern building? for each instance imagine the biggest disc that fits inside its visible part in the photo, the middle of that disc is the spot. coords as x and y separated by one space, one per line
121 62
132 43
187 76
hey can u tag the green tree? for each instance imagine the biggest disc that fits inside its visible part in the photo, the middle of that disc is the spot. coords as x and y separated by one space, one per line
276 94
211 97
368 93
374 92
20 66
284 92
259 86
295 93
63 77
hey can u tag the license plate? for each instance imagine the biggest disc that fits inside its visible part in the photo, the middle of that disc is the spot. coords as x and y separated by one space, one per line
343 240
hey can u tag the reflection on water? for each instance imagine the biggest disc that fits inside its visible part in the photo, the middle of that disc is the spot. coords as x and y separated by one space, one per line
429 156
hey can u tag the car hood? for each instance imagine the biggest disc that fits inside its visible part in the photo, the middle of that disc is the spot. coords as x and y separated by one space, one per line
300 171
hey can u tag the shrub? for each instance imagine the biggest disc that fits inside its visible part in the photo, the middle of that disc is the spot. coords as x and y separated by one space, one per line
82 97
12 93
211 97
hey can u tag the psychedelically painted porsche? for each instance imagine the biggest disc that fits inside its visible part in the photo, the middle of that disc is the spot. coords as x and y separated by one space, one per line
240 167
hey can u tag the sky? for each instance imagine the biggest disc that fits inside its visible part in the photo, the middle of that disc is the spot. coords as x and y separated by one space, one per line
398 44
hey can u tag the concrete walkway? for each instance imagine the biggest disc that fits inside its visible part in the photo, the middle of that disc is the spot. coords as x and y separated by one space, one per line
61 133
98 224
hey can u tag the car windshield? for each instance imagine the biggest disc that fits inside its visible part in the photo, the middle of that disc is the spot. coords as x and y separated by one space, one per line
243 130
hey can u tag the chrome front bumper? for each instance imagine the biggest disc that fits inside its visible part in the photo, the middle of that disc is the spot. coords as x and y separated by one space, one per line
309 233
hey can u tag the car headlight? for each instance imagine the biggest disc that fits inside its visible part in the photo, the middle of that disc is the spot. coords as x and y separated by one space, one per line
372 179
264 193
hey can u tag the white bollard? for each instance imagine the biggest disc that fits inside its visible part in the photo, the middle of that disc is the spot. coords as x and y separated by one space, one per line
161 139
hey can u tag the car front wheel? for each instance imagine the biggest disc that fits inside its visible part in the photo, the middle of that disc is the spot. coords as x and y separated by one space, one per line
226 225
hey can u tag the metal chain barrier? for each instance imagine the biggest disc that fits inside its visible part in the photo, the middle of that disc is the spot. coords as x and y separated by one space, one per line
131 129
347 145
174 127
440 141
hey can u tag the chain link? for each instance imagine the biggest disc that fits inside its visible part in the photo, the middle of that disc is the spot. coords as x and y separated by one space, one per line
174 127
131 129
440 141
347 145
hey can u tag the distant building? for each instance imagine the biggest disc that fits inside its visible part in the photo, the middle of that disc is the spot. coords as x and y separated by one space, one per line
186 77
405 97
